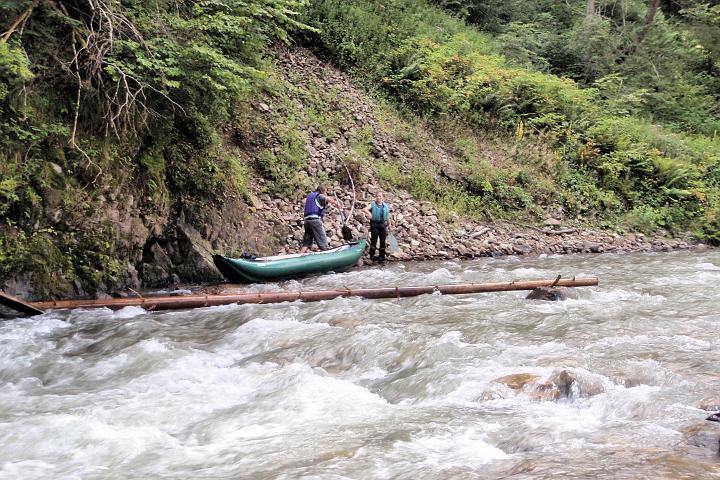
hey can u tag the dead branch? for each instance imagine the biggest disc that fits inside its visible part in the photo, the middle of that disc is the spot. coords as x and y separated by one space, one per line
19 20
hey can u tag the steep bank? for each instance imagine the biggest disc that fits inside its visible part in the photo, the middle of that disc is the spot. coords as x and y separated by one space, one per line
132 149
314 125
369 138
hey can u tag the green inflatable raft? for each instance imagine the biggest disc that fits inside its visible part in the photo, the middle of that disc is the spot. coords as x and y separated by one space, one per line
283 267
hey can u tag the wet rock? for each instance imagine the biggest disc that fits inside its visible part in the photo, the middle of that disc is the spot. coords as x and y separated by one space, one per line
551 294
153 276
562 384
517 381
544 392
571 384
711 405
564 381
701 441
198 265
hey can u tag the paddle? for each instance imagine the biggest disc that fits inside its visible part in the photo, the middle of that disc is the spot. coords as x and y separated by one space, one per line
346 231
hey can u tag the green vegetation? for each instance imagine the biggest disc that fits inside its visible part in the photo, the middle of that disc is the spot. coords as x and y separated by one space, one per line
606 110
621 141
121 97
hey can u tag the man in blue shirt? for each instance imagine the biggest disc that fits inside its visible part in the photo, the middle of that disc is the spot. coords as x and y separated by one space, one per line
315 205
379 214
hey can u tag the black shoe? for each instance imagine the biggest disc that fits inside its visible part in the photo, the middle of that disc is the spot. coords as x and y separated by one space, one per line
381 259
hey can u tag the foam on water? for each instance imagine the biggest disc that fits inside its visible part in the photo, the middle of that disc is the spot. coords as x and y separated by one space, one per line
441 451
353 388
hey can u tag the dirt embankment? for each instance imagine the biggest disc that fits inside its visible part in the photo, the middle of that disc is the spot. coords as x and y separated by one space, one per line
339 125
421 232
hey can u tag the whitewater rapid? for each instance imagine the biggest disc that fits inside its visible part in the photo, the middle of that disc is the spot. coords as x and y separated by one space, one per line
386 389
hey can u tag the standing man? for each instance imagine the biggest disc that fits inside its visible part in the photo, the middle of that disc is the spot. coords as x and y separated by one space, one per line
379 214
315 205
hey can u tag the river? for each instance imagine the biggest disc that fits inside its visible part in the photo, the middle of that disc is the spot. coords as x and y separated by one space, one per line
379 389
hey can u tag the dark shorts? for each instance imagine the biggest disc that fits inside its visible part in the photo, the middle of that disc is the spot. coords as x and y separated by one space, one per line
315 230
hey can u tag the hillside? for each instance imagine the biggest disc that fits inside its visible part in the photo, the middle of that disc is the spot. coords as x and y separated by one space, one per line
131 155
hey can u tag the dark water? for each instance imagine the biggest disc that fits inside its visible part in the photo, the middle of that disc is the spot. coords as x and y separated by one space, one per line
355 388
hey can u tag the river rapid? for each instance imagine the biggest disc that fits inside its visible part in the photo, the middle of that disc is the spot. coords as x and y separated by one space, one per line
379 389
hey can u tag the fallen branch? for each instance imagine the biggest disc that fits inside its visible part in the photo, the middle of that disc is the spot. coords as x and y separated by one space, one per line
560 231
479 233
19 20
352 184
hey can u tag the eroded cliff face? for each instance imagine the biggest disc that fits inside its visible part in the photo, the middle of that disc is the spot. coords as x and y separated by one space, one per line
136 246
120 232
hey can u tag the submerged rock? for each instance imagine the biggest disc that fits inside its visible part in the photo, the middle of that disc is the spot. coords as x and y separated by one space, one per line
563 381
711 405
551 294
701 441
517 381
560 384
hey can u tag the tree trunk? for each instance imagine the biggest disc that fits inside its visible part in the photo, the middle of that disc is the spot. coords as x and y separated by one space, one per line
589 9
197 301
648 20
652 10
644 29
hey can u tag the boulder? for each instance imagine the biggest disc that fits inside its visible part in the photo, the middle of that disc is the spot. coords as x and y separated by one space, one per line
132 277
701 441
551 294
153 276
563 381
552 222
517 381
198 265
453 173
561 384
159 257
256 202
710 404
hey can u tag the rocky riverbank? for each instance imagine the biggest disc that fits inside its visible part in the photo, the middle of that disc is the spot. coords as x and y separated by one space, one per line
338 133
422 235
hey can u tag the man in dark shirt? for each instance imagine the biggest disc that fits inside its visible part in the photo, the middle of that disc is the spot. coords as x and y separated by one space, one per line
315 205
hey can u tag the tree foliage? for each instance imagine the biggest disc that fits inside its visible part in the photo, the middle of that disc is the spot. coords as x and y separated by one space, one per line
665 52
114 93
626 124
